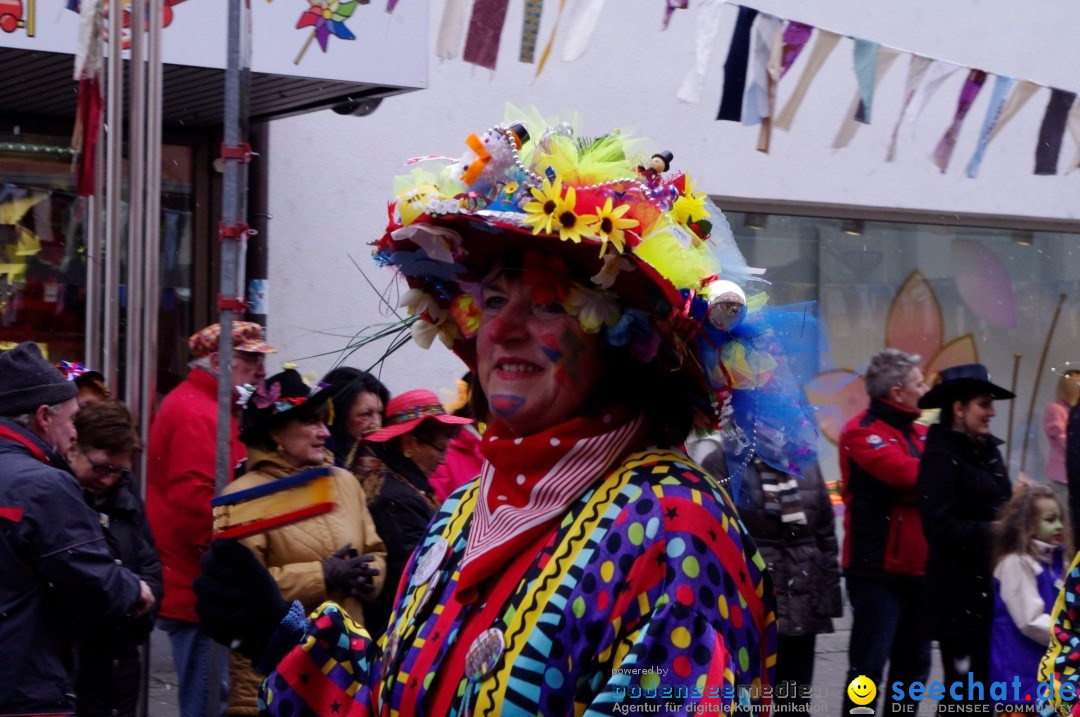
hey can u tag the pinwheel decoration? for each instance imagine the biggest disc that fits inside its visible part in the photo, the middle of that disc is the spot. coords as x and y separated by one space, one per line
327 17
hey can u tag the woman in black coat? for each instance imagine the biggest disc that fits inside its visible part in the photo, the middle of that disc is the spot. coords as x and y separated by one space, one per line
101 459
800 552
963 483
412 445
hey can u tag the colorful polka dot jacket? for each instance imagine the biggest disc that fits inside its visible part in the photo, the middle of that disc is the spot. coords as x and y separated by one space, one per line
649 591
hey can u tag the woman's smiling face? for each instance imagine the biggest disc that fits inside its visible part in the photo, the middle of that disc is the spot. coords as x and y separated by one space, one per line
535 363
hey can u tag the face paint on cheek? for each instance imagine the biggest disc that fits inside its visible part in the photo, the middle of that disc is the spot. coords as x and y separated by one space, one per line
549 345
505 404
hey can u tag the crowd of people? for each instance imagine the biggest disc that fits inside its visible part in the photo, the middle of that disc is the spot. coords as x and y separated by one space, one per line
545 546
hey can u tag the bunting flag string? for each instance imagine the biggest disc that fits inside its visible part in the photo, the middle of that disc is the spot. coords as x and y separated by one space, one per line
583 21
530 28
763 48
451 29
1002 86
731 98
485 32
824 45
968 93
708 25
1052 131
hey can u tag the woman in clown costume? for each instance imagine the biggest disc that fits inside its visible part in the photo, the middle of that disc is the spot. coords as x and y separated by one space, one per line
591 564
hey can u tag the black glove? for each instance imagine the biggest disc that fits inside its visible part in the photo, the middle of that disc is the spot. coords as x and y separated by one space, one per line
348 573
238 602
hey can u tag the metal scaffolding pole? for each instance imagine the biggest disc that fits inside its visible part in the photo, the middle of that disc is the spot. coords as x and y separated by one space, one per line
234 231
133 343
114 182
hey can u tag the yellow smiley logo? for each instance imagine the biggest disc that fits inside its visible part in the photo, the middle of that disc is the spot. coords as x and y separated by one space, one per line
862 690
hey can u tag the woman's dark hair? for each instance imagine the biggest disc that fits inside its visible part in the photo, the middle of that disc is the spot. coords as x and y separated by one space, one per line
348 383
107 426
428 431
945 418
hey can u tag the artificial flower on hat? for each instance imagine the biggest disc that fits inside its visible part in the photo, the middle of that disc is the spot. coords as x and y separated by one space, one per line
628 246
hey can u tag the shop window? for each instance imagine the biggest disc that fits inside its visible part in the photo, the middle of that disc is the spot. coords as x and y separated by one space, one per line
952 293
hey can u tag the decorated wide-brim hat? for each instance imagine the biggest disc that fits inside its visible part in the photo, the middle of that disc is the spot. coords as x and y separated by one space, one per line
275 400
960 382
655 264
406 411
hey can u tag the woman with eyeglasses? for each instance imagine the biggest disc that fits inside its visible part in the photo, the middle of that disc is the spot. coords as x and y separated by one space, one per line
101 460
412 445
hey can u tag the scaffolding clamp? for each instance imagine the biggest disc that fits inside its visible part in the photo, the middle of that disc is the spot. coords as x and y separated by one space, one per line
241 152
238 231
231 303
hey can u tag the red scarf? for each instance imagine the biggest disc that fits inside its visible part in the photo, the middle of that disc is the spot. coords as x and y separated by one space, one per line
529 482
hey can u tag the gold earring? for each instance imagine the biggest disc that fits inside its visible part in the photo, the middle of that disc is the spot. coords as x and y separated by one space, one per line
280 449
408 454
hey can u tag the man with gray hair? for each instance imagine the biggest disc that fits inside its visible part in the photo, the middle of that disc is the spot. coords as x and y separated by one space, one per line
180 484
55 568
884 554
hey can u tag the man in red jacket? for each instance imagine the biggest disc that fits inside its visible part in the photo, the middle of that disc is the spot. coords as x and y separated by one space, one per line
884 549
180 483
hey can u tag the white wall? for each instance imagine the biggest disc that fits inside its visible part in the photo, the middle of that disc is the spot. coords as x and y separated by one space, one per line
330 176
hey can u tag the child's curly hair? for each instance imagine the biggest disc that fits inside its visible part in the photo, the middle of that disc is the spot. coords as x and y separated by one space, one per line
1019 522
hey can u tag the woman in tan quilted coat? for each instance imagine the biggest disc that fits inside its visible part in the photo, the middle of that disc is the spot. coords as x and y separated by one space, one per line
335 556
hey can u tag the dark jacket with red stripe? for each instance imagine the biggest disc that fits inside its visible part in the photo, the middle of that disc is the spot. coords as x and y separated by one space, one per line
56 574
879 467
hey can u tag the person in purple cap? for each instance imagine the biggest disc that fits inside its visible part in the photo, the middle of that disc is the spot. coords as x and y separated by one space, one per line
56 573
963 483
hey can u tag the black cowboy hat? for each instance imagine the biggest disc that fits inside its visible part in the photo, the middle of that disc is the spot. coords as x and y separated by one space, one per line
960 383
277 399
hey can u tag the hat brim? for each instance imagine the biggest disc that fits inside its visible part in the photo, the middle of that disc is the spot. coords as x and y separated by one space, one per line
944 393
484 244
255 347
399 429
256 432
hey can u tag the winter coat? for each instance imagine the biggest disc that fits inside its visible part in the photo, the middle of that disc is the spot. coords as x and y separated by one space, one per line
879 463
294 555
400 499
1055 420
1072 469
56 575
181 454
649 571
962 486
802 559
108 682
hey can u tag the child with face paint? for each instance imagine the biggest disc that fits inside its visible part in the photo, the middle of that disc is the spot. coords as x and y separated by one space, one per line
1031 543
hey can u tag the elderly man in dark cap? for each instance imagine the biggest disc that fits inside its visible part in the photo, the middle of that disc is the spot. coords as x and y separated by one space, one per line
55 569
180 483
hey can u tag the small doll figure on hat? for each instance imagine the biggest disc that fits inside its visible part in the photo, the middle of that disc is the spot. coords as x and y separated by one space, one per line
657 165
490 154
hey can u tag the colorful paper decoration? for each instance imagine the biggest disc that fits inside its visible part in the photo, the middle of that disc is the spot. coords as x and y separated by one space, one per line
530 27
708 24
735 67
451 29
767 33
551 38
1002 86
886 56
1052 131
824 45
485 31
327 17
968 93
866 61
793 38
583 21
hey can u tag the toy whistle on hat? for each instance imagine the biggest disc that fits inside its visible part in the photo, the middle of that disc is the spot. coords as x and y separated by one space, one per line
274 504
